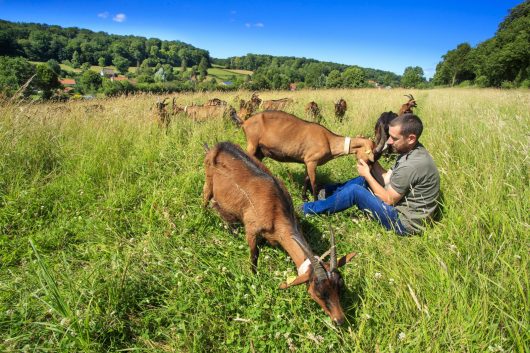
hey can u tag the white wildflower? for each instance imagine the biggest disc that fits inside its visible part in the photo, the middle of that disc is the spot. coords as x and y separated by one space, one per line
391 281
402 336
65 322
378 275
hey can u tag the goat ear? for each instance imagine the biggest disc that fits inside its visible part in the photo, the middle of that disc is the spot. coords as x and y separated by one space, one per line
298 280
345 259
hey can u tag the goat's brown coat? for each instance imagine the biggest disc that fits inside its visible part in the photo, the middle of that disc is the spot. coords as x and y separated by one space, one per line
286 138
244 190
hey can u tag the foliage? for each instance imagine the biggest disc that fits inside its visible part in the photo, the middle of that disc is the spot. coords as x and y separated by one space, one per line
412 77
353 77
456 66
117 88
503 58
46 80
14 73
40 42
121 64
90 81
54 66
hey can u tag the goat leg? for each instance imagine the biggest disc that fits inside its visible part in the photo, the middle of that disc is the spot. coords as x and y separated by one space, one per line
312 173
254 250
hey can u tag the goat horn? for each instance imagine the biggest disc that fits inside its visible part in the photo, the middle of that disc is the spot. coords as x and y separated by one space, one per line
318 269
333 252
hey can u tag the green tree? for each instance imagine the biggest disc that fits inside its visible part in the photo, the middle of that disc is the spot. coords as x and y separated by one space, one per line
46 80
102 61
54 66
334 79
203 67
412 77
75 60
90 81
14 73
121 64
455 67
353 77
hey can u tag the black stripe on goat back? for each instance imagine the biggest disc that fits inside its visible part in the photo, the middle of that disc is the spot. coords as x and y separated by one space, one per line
238 153
259 170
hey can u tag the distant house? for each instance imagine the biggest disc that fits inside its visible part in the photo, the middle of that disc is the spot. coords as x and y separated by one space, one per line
109 73
227 83
68 84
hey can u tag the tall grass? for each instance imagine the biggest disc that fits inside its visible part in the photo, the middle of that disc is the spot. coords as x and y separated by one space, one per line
104 245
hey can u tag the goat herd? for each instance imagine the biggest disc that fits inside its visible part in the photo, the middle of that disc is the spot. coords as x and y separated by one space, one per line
242 189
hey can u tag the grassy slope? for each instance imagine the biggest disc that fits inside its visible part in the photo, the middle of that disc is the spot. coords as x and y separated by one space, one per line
125 257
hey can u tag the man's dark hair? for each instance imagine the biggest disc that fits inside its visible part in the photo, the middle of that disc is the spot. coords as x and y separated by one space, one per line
410 124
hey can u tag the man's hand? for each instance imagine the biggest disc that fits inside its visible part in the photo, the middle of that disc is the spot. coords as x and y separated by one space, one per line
362 168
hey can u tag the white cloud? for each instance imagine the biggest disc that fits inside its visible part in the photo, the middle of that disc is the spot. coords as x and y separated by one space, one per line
120 17
103 14
257 24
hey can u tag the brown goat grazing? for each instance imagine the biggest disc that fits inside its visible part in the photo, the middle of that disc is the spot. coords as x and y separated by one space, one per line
340 109
312 112
207 112
407 107
286 138
276 104
216 101
246 109
163 117
244 190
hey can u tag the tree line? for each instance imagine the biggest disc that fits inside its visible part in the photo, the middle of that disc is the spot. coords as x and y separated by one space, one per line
169 66
501 61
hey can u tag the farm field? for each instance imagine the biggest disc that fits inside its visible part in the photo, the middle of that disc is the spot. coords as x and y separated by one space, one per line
104 245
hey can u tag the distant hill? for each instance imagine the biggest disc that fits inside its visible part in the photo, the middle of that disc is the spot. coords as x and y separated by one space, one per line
41 42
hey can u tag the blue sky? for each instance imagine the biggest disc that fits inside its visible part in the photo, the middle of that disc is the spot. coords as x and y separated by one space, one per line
386 35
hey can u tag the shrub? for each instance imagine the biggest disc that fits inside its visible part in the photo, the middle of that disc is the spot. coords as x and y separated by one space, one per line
482 81
525 84
507 85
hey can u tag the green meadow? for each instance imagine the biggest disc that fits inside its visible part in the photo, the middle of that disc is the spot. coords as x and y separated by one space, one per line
104 245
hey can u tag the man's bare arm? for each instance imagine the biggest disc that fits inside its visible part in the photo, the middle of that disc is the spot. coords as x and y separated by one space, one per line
388 195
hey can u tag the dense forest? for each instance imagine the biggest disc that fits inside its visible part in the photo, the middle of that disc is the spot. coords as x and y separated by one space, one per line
150 64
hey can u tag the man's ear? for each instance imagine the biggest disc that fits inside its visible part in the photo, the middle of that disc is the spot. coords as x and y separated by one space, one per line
303 278
345 259
412 139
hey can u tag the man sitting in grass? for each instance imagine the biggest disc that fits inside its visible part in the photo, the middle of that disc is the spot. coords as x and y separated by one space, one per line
401 199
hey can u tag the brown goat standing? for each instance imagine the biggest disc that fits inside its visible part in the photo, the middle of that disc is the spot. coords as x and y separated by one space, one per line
244 190
340 109
276 104
407 107
312 112
286 138
246 109
163 117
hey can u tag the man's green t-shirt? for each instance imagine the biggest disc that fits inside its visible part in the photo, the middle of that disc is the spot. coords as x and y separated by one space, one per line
416 177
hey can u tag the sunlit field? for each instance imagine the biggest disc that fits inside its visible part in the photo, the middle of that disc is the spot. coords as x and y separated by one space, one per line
104 245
